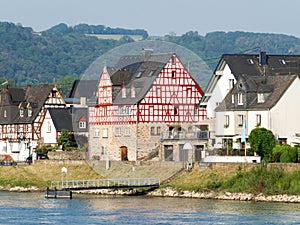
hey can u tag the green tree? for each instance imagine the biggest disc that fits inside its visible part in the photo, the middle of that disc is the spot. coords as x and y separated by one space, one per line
64 139
262 141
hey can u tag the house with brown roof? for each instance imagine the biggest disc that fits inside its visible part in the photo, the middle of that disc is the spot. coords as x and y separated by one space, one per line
22 113
261 101
147 104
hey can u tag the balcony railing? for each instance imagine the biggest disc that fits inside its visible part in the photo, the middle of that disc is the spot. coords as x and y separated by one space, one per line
184 135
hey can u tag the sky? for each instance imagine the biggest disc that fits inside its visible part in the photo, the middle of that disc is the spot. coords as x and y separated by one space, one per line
159 17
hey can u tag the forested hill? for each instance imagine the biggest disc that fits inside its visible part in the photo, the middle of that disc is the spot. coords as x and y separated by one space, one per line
63 53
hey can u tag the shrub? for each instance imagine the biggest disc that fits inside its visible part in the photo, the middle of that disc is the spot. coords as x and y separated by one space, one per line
285 158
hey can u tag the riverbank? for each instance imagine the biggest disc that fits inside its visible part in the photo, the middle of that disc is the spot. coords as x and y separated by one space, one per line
242 182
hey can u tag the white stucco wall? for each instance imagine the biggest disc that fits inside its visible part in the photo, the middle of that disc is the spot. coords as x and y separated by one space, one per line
284 116
220 91
49 137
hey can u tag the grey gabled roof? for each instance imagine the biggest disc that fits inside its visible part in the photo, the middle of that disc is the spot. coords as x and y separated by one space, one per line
272 88
15 98
250 64
127 76
62 118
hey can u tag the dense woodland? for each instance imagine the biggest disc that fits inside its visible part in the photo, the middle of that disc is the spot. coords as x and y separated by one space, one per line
62 53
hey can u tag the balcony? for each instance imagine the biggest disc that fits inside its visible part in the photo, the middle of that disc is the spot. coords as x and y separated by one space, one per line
184 135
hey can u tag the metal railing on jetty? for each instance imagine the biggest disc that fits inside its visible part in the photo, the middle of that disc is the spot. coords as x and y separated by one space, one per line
114 183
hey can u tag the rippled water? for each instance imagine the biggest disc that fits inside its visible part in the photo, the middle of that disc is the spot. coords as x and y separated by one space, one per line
33 208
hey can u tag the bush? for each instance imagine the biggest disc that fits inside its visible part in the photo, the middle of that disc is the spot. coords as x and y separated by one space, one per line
285 158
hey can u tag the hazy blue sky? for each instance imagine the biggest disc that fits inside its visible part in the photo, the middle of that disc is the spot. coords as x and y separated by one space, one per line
159 17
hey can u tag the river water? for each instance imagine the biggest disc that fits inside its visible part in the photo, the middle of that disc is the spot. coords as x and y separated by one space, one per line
33 208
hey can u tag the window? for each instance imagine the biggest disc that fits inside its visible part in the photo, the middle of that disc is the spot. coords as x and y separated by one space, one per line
258 119
152 131
48 127
103 150
158 92
189 92
117 131
150 110
282 61
139 74
232 98
226 121
240 99
158 130
231 83
250 61
5 113
260 98
105 133
29 112
127 131
96 133
123 92
173 74
82 125
240 120
176 110
151 73
132 91
21 112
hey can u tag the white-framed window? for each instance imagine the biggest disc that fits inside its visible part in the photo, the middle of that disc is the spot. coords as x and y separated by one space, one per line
260 98
29 110
227 121
240 99
103 150
232 98
258 119
96 133
151 110
127 131
82 124
105 133
21 112
132 91
240 120
5 114
48 127
117 131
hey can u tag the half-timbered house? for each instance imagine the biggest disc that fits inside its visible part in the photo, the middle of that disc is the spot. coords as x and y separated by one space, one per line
144 104
22 113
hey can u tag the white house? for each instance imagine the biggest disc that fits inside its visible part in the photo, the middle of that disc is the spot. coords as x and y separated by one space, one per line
262 101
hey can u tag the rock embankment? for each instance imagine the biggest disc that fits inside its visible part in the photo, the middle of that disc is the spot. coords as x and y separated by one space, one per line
169 192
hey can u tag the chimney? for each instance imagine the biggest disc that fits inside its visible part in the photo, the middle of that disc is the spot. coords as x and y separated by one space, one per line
263 59
146 53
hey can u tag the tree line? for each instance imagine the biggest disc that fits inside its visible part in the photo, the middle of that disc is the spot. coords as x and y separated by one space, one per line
61 54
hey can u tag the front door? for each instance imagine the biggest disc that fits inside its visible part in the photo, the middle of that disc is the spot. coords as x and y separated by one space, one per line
124 153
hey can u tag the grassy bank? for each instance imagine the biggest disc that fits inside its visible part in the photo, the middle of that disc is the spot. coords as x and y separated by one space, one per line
260 179
40 175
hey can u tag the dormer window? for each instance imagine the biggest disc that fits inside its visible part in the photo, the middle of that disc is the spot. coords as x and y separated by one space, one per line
132 91
21 112
82 124
123 92
232 98
260 98
29 112
5 114
151 73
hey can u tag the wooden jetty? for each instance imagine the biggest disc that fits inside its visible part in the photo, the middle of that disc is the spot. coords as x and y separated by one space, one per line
64 188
